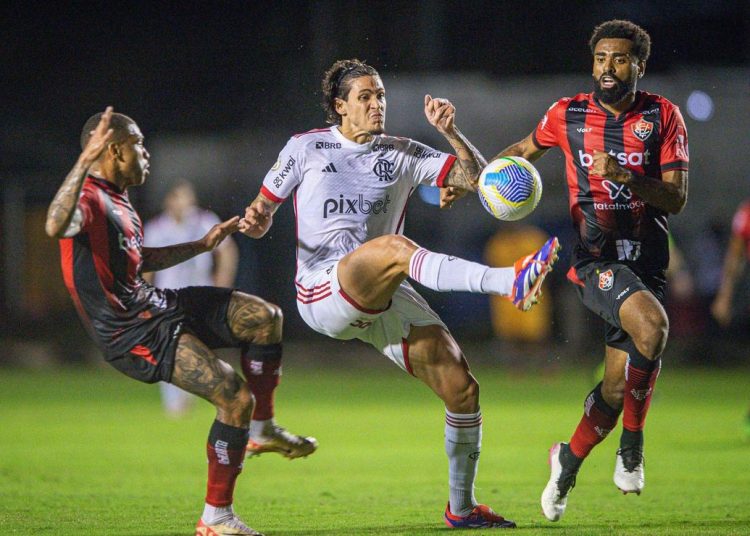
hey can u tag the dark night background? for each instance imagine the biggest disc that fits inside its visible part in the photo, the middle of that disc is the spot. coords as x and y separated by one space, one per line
196 73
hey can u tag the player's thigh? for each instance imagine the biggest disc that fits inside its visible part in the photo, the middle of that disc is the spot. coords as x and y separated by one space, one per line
371 273
197 370
642 314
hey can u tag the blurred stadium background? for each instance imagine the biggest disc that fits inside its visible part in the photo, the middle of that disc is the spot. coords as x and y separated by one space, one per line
218 88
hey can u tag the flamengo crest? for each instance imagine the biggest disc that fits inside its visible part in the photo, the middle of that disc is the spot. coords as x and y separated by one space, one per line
643 129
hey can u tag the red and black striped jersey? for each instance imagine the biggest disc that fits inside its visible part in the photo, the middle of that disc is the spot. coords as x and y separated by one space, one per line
613 223
101 267
741 224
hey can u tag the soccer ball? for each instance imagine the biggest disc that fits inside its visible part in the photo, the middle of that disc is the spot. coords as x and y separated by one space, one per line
510 188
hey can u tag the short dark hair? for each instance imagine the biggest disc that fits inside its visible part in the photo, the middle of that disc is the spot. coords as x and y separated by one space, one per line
119 123
337 83
623 29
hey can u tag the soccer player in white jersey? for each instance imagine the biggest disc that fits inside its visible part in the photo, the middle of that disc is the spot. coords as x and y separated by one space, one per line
350 184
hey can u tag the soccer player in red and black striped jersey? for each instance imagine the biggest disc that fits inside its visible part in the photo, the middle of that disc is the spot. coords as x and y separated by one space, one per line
626 161
152 334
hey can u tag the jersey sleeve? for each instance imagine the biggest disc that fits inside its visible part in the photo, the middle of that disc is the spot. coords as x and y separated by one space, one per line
285 175
546 133
674 145
428 166
89 206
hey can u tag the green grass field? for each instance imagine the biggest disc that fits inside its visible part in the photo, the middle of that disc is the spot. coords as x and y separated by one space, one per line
89 452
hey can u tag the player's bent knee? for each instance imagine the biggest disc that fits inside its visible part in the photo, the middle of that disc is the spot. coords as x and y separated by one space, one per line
613 393
651 339
397 248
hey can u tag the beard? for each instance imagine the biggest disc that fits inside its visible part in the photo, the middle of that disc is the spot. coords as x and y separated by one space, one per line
614 94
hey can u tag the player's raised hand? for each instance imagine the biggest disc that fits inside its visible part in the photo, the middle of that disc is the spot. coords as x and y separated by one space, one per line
100 138
219 232
440 113
604 165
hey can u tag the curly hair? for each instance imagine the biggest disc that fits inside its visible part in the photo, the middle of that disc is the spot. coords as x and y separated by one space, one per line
623 29
119 123
337 83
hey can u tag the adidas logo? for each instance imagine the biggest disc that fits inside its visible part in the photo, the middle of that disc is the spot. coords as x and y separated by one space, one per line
330 168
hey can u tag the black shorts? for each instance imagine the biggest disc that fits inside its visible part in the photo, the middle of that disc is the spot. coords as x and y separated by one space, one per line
201 311
603 286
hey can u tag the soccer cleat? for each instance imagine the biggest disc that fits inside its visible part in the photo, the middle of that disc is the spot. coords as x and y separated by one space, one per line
629 476
530 273
277 439
481 517
564 467
232 527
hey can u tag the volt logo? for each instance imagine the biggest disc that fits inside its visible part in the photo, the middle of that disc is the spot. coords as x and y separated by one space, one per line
357 205
616 190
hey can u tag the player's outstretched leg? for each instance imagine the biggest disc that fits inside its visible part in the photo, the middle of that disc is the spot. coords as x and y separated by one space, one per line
530 273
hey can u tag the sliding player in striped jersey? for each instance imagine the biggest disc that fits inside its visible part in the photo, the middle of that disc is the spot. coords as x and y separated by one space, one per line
152 334
350 184
626 159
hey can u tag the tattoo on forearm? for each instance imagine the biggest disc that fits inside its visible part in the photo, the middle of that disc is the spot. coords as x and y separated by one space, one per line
61 209
155 259
470 163
254 320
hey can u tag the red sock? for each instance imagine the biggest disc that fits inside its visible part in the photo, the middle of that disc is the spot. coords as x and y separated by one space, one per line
261 365
226 452
598 420
640 378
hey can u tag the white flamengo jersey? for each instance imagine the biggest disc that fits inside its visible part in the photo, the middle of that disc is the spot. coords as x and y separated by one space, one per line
346 193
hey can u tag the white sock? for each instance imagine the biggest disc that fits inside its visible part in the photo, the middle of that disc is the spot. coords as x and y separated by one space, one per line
463 442
445 273
258 428
213 515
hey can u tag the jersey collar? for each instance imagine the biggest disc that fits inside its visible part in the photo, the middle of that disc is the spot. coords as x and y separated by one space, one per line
352 145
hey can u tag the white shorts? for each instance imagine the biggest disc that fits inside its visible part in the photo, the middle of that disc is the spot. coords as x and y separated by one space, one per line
330 311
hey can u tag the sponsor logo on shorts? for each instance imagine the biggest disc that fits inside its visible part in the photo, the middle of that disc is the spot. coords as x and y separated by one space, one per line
606 280
474 455
621 294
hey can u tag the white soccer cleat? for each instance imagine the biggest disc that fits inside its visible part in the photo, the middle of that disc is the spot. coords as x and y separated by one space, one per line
563 470
231 527
629 475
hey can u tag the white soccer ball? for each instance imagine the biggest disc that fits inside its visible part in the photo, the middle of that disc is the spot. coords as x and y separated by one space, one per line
510 188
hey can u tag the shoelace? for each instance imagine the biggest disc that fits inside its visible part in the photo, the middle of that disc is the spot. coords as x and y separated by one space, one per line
632 457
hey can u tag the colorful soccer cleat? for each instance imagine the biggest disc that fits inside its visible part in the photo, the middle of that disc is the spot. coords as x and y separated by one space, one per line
629 476
564 467
232 527
481 517
277 439
530 273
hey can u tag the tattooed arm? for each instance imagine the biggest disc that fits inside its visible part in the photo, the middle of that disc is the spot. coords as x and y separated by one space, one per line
441 114
63 216
155 259
258 217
